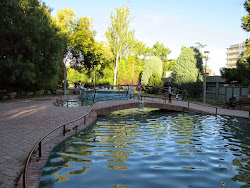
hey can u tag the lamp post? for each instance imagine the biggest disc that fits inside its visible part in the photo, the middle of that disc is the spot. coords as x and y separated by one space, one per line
205 77
94 76
65 78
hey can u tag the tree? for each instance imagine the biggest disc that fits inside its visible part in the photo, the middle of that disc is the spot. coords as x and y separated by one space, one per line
85 54
240 74
167 66
246 19
119 36
74 76
159 50
199 62
199 45
185 72
154 80
153 66
31 48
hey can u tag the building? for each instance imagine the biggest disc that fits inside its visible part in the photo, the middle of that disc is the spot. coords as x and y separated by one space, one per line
210 72
233 53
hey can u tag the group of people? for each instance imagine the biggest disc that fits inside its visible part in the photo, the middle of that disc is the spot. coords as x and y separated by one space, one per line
139 88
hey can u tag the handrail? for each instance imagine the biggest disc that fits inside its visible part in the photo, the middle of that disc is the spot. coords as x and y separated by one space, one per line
38 144
144 87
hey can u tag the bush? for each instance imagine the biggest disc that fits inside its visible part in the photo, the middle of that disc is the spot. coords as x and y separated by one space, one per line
153 66
155 80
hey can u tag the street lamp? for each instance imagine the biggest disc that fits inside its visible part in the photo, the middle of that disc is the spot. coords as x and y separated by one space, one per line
205 77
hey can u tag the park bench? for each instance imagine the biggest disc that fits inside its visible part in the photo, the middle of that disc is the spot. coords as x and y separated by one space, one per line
244 102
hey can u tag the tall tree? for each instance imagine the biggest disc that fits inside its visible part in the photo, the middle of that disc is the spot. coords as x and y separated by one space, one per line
159 50
153 67
31 49
185 72
119 36
81 48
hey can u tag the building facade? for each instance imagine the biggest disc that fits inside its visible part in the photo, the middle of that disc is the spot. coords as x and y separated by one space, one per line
233 53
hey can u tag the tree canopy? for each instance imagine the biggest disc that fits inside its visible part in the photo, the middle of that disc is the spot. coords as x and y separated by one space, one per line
120 37
35 46
31 48
187 71
159 50
153 66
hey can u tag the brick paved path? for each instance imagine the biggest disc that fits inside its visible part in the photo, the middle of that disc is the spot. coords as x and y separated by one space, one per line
23 122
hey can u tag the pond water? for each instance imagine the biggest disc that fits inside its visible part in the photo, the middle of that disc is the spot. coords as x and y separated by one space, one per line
99 96
106 95
152 148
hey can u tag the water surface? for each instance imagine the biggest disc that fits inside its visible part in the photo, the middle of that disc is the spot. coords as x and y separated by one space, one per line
152 148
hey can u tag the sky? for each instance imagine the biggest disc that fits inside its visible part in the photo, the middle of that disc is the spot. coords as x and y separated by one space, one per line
175 23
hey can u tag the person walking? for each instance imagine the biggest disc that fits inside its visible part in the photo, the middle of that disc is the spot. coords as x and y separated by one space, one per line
139 91
169 95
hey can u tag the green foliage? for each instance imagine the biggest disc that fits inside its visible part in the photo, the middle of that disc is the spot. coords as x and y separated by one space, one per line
167 66
159 50
153 66
199 63
120 37
246 19
239 75
186 72
199 45
81 47
155 80
75 76
31 49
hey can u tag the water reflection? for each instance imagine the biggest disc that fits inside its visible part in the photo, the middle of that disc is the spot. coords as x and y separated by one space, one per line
129 147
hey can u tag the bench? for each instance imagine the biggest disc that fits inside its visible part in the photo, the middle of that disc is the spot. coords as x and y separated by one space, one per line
244 102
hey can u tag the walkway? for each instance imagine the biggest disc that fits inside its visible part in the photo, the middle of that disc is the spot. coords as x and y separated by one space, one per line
23 122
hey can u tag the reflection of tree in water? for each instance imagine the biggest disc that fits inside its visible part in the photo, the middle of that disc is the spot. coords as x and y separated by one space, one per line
64 154
117 132
183 127
121 131
239 140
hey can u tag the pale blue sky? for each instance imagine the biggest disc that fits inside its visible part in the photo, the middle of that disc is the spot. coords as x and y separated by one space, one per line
174 23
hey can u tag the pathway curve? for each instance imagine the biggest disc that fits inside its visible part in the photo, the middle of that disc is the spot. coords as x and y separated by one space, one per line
22 123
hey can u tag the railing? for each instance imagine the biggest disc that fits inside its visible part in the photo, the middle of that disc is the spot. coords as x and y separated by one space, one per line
63 126
119 89
39 143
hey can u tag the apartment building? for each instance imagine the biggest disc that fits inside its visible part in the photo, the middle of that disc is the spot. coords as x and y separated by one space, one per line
233 53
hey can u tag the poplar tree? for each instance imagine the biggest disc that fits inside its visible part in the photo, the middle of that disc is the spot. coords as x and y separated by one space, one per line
120 37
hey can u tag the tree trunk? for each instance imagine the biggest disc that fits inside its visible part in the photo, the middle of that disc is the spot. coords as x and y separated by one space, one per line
116 67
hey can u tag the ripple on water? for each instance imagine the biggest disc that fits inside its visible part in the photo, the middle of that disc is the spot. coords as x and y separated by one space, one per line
145 148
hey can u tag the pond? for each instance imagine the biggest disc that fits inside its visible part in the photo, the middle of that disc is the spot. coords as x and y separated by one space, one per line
153 148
